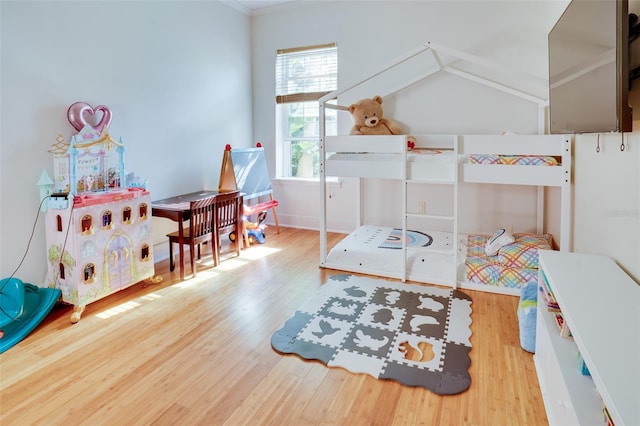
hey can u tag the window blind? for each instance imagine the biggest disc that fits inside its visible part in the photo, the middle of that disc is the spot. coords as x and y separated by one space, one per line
306 73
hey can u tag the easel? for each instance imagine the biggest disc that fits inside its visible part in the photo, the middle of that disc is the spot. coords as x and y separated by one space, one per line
246 170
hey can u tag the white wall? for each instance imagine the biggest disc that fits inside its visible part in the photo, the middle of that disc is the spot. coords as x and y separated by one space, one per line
370 35
176 76
607 198
607 191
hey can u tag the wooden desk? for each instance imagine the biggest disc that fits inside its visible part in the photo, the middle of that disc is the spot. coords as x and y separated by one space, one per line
177 209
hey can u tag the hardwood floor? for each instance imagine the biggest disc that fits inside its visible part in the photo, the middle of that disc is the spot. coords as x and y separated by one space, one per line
199 353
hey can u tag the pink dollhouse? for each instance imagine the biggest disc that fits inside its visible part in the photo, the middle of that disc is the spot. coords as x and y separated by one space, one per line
98 228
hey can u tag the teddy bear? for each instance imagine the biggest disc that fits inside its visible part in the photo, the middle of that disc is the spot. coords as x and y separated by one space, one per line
367 119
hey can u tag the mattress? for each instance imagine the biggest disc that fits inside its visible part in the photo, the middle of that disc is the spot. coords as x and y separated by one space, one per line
375 250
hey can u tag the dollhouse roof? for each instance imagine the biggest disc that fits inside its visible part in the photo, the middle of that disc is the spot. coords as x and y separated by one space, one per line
89 136
60 146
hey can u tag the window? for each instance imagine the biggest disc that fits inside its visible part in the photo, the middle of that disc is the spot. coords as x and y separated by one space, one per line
145 252
89 271
107 219
303 75
61 271
126 215
86 225
143 210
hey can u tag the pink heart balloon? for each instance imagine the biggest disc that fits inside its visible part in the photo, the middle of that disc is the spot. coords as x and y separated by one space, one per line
76 111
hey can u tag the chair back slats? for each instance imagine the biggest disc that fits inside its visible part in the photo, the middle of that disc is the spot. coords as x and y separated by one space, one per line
227 212
202 217
229 209
228 218
200 230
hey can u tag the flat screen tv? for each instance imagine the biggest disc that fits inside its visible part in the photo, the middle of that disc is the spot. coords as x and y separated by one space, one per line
589 73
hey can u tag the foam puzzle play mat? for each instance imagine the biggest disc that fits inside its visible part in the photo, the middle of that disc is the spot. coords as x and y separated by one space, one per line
414 334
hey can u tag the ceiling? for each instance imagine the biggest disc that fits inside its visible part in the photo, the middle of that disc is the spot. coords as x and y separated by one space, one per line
251 6
259 4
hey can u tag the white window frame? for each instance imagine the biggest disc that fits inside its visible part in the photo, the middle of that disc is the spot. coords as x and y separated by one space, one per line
293 90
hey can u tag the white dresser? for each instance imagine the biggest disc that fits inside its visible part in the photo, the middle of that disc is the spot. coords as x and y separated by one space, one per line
601 305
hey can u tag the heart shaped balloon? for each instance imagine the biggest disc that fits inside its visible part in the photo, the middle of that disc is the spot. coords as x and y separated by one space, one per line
76 116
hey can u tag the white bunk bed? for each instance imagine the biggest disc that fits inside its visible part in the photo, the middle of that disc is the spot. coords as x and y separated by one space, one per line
438 160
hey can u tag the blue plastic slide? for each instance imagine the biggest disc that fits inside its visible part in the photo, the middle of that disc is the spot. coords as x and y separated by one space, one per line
22 307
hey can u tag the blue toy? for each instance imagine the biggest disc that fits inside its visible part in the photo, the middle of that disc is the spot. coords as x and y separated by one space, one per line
22 307
527 316
255 231
256 235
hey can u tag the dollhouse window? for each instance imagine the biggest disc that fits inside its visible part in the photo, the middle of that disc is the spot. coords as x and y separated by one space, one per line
87 224
61 273
144 231
59 222
89 272
88 249
143 211
126 214
145 252
107 219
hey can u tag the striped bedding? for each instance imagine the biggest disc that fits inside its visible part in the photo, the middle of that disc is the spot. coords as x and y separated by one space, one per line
517 160
514 265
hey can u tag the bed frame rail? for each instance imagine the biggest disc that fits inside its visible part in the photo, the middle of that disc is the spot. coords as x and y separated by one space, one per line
552 145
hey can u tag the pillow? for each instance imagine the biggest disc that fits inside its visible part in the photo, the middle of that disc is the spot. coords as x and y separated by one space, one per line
543 241
523 253
475 245
498 240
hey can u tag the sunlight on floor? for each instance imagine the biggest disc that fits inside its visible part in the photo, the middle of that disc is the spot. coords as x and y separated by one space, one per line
258 252
248 309
123 307
150 296
204 276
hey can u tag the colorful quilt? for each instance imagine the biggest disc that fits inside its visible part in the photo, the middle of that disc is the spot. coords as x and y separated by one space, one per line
514 265
518 160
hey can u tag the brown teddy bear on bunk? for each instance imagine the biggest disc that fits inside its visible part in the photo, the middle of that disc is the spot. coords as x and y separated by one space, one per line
368 120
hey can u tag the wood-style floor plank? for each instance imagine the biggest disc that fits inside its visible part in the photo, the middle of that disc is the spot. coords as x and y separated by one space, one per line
198 353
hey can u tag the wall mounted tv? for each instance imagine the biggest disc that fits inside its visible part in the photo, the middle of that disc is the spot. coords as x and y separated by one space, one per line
589 71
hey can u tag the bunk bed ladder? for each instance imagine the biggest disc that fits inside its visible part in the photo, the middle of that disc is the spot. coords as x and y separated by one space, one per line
421 212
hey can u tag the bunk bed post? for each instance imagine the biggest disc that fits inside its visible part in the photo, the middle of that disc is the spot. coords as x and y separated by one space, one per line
360 198
456 188
323 184
542 117
403 276
566 198
540 210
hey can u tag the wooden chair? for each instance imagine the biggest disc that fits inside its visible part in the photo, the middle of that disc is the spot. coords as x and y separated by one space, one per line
201 229
228 218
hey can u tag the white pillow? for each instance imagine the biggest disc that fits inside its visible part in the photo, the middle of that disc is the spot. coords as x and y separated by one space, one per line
498 240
